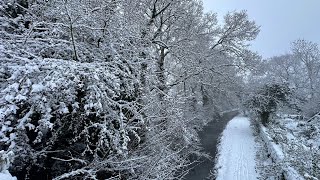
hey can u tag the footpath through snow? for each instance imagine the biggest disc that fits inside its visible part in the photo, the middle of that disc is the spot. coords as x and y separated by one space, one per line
237 151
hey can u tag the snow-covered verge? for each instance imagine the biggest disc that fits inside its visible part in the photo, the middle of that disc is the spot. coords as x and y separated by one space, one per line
236 152
293 144
277 156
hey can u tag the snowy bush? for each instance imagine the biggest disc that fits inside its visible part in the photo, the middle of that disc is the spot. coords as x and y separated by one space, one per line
267 100
74 113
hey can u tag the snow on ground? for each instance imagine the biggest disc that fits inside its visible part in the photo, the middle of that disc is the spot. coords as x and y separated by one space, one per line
237 151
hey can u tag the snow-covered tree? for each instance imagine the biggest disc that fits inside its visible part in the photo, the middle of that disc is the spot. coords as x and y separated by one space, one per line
267 100
307 53
103 89
300 70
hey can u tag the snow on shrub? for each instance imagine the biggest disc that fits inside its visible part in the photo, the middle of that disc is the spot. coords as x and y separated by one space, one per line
267 100
69 113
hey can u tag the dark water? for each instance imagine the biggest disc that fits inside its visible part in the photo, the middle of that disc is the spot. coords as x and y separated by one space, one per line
209 140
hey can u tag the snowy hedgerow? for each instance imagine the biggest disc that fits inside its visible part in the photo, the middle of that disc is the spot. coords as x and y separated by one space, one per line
69 113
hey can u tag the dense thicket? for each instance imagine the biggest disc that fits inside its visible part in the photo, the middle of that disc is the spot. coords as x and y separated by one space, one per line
268 100
100 89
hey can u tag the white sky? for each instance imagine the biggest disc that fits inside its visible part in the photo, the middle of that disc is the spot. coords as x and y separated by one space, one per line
281 21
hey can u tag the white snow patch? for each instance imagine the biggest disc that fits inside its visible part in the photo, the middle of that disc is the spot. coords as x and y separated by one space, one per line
37 88
273 148
237 152
5 175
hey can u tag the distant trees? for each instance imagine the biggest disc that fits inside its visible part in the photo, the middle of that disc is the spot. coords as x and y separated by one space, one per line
300 70
307 54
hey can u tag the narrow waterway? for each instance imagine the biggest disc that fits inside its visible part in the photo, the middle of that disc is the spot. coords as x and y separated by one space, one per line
209 140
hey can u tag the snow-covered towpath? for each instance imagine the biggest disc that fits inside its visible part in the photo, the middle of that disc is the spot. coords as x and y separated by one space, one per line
236 160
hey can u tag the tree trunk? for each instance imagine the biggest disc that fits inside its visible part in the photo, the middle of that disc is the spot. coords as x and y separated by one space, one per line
161 75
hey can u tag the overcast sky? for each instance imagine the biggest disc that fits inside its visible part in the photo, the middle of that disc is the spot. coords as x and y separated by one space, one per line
281 21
